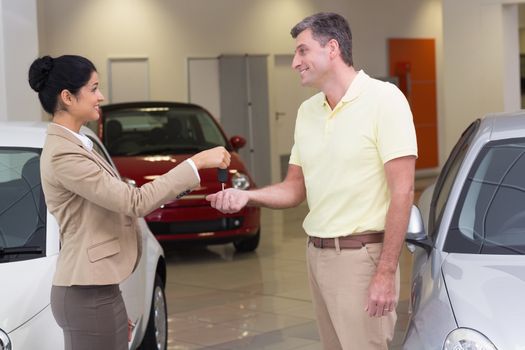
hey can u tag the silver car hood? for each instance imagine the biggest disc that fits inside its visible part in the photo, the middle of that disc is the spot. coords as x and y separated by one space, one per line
487 294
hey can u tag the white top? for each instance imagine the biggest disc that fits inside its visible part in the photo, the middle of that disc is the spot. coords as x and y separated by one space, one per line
86 141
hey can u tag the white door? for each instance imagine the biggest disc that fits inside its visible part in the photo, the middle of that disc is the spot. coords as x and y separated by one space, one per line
203 84
128 79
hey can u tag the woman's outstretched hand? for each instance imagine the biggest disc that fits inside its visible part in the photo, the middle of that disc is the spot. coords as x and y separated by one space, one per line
217 157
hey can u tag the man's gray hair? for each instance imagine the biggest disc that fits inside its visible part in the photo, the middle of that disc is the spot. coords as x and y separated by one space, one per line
326 26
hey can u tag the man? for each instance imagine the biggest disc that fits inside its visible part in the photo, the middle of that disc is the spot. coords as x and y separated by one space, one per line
353 159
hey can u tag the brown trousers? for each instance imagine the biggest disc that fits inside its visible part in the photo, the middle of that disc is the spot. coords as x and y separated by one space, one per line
339 281
92 317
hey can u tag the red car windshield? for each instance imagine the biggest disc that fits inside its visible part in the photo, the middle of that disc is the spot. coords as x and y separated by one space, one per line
159 130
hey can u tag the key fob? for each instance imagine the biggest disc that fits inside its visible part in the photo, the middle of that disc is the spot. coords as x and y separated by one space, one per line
222 175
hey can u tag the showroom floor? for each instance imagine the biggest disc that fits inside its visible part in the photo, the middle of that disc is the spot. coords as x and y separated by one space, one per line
218 299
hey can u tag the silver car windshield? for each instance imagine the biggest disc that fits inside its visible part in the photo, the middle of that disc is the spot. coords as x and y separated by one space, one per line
22 205
160 130
490 216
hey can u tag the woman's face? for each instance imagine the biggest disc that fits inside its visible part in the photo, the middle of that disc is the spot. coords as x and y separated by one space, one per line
87 101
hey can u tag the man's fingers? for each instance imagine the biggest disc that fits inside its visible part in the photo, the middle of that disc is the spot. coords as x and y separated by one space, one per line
226 198
212 198
377 308
228 201
225 202
371 308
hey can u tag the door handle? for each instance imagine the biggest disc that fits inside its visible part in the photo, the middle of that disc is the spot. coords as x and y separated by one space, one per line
279 115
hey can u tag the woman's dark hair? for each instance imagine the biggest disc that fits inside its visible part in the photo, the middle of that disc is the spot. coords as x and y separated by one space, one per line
326 26
49 76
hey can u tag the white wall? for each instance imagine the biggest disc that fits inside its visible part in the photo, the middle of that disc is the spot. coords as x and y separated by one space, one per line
475 43
169 31
3 95
18 48
511 58
480 49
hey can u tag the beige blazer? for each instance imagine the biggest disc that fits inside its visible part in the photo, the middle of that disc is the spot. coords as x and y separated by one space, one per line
96 211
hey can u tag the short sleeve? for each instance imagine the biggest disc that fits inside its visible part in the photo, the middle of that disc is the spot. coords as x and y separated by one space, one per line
396 135
294 153
294 156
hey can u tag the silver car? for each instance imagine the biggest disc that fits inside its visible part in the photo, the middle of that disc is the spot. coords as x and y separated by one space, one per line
468 241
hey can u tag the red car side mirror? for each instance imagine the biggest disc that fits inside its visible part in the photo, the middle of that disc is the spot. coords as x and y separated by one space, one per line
237 142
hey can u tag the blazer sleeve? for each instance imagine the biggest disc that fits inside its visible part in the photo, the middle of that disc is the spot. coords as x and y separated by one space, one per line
84 177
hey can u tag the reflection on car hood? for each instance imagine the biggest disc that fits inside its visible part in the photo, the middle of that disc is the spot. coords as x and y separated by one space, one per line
487 294
143 169
25 290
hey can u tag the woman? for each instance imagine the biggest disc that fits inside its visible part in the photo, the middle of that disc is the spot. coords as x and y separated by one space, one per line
96 211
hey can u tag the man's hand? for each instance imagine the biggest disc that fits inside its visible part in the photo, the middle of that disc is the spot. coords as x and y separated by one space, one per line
382 296
229 201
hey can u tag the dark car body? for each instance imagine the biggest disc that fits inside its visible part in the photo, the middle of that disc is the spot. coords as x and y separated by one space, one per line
147 139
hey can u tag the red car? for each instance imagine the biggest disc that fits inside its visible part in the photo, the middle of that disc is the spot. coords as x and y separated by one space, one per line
147 139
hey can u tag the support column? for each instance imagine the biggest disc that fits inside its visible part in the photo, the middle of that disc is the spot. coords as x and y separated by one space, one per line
18 48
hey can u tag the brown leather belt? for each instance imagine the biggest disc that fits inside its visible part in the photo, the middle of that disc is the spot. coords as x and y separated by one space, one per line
353 241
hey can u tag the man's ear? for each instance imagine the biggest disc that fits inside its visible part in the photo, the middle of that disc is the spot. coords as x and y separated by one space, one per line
333 45
66 97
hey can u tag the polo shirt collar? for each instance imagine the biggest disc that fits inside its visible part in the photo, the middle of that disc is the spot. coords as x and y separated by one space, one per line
354 90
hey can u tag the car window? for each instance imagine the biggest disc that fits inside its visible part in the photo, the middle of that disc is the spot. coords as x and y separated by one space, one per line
22 205
98 148
490 215
447 177
160 130
210 131
93 125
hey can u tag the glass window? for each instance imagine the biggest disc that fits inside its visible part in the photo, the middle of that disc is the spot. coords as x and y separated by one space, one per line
447 178
211 132
490 216
160 130
98 148
93 125
22 205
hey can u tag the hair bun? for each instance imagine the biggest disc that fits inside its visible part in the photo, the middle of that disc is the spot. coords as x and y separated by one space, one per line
39 72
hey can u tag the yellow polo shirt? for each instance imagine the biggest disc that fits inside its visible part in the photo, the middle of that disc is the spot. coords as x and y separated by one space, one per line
342 153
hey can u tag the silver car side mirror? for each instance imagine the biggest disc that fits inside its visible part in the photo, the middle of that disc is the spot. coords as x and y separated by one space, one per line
416 234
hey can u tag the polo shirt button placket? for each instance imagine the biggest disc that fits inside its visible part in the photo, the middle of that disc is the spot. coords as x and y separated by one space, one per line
329 125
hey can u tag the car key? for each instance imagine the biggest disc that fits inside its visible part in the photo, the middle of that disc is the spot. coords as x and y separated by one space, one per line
222 176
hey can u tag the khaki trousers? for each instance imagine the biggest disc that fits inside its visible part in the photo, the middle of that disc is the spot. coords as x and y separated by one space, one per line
92 317
339 281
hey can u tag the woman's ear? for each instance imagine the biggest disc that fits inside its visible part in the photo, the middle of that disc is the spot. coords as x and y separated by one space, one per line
66 97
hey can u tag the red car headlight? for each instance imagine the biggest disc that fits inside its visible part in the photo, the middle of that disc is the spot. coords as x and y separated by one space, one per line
240 181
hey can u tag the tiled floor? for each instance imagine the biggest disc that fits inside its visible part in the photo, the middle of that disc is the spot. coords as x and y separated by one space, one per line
218 299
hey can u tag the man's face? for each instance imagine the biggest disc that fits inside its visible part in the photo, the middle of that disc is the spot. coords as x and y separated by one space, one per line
311 60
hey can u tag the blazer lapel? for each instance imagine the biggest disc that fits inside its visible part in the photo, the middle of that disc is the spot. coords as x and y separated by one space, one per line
100 160
54 129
